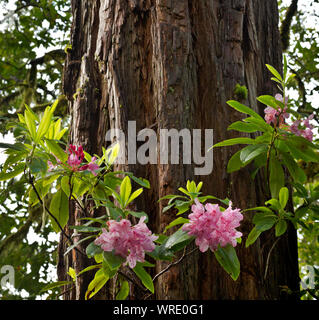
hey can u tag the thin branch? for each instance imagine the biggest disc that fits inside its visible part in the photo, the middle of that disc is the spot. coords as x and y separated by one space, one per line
51 215
268 257
174 263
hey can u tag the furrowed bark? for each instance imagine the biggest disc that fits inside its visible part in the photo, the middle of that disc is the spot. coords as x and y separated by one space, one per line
174 64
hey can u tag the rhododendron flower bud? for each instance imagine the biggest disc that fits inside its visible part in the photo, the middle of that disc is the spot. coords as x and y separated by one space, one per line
76 156
212 227
128 241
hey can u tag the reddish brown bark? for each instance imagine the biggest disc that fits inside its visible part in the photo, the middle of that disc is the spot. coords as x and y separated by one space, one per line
174 64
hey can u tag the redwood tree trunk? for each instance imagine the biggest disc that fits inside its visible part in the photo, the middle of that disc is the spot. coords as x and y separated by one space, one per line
174 64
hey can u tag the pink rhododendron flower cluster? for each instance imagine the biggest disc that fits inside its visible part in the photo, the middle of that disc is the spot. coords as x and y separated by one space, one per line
213 227
128 241
75 160
272 114
298 127
303 128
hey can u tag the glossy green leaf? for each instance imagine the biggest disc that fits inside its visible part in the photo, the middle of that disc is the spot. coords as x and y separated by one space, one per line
228 259
144 276
59 207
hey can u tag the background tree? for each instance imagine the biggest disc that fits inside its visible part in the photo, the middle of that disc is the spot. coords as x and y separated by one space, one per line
173 64
206 64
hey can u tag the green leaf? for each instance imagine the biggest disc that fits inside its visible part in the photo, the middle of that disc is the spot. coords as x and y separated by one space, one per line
124 291
243 127
92 249
86 228
134 195
264 221
228 259
263 209
113 261
243 109
301 148
295 171
76 244
250 152
54 285
234 141
125 190
141 181
89 268
280 228
29 120
234 163
59 207
177 240
283 197
72 273
44 124
99 280
270 101
276 178
139 214
176 222
274 72
56 150
144 276
252 236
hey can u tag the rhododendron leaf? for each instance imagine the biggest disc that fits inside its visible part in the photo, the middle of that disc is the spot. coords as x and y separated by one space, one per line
263 209
252 236
176 238
96 284
44 124
295 171
234 163
243 127
139 214
124 291
176 222
270 101
274 204
274 72
77 243
264 220
141 181
280 228
30 122
144 276
85 228
227 258
89 268
234 141
113 261
54 285
276 177
134 195
250 152
301 148
283 197
92 249
56 150
59 207
243 109
72 273
260 123
37 165
125 190
161 253
65 185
